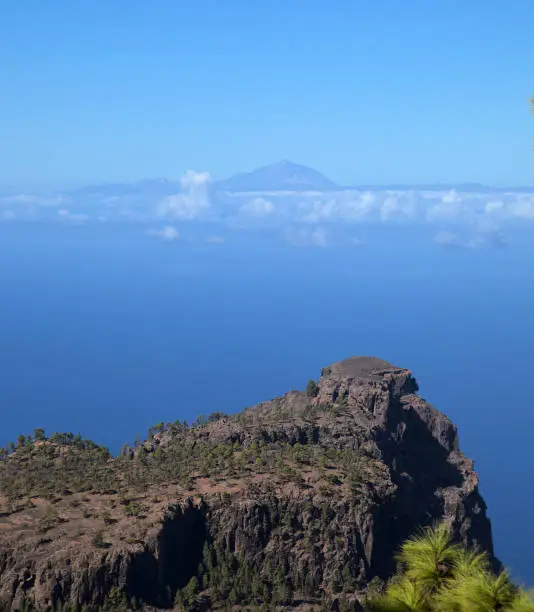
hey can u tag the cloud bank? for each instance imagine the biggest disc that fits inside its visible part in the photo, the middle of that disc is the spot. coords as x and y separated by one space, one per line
456 217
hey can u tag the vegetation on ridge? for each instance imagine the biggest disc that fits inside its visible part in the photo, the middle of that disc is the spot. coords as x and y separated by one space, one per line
67 464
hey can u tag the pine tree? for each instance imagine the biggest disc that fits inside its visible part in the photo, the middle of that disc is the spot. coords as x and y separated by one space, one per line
437 575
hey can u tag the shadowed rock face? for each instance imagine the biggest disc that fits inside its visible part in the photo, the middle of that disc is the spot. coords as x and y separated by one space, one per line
318 489
419 444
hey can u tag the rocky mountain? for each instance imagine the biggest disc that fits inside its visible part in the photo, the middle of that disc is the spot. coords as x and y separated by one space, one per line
301 502
282 176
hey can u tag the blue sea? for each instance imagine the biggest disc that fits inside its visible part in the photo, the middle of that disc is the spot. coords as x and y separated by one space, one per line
106 330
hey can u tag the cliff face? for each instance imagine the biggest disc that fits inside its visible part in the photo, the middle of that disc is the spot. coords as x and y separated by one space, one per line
298 501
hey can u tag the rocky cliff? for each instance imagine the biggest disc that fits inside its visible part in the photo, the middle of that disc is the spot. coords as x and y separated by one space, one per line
301 501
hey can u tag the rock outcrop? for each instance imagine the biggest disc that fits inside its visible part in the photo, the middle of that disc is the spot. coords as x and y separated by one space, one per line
301 501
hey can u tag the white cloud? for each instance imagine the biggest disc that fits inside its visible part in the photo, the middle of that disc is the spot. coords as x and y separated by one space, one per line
168 233
350 206
258 207
356 206
193 202
389 208
316 210
454 210
403 206
447 209
192 179
386 206
304 237
452 197
336 207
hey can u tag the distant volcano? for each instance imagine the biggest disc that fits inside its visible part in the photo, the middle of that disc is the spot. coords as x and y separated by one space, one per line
283 176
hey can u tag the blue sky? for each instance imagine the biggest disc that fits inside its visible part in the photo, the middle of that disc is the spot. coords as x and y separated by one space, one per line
380 91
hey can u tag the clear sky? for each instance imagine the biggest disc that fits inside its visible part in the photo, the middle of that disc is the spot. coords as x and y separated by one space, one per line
381 91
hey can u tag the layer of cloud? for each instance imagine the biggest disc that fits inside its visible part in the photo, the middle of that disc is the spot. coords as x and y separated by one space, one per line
457 217
410 206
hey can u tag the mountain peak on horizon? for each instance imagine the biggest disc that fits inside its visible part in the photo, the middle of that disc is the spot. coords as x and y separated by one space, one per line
284 175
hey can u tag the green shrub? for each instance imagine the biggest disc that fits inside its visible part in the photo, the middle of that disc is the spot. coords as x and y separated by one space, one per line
312 388
98 540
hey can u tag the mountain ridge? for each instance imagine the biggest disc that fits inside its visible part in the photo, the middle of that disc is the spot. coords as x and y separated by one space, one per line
277 177
300 500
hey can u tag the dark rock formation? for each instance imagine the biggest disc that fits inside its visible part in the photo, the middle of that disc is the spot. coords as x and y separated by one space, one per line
300 500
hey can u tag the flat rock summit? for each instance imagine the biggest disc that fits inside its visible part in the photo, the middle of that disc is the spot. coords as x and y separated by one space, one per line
299 502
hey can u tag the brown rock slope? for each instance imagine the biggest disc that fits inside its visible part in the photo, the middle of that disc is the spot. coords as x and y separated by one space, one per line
299 501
